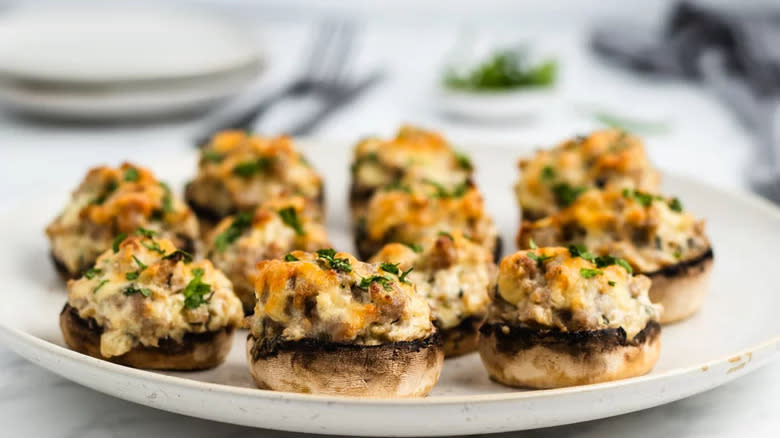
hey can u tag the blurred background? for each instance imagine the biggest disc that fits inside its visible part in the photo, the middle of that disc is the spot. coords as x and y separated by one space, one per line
144 75
83 83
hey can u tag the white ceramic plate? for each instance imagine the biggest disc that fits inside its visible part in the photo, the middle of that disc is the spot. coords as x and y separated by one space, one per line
112 61
736 332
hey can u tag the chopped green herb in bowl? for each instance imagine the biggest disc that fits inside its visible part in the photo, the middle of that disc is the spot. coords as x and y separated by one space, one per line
504 70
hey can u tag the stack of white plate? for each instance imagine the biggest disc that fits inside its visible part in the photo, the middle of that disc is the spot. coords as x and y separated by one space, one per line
108 63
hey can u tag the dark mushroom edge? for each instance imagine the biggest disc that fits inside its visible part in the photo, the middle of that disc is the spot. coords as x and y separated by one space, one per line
196 351
394 369
545 358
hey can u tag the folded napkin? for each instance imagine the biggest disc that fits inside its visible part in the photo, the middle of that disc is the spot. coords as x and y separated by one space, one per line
747 40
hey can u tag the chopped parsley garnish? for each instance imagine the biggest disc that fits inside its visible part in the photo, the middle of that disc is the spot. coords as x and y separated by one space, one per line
644 199
386 283
140 264
110 188
464 162
151 245
675 205
132 275
548 173
240 223
589 273
290 218
179 255
397 186
539 259
146 233
212 156
339 264
442 192
603 261
565 194
416 247
505 69
196 290
579 250
92 273
97 288
131 174
290 258
247 169
446 234
531 243
403 279
117 241
133 289
677 254
611 283
390 267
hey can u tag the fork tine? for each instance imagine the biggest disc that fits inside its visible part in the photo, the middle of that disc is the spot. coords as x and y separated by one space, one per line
337 63
319 48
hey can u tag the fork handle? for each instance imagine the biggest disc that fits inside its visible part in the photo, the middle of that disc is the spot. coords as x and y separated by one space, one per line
243 118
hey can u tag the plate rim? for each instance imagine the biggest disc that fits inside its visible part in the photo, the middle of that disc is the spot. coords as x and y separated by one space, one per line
15 336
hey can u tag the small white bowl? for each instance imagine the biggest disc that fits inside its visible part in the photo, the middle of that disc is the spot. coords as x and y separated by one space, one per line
495 106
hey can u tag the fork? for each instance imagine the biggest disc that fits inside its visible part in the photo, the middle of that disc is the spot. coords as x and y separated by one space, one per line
323 77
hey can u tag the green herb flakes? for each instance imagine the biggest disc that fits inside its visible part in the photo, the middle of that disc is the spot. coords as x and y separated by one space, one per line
97 288
241 222
131 175
196 290
290 218
290 258
565 194
117 241
248 169
92 273
589 273
339 264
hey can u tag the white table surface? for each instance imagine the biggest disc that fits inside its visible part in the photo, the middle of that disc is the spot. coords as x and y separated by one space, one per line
704 141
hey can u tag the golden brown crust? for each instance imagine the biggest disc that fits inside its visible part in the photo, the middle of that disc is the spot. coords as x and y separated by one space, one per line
195 352
390 370
682 288
541 358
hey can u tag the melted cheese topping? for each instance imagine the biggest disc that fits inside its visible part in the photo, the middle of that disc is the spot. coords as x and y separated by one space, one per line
604 159
555 293
454 274
413 155
649 235
151 306
267 237
238 172
413 213
110 201
309 299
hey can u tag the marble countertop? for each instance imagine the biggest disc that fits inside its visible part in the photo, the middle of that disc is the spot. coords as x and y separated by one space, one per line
37 157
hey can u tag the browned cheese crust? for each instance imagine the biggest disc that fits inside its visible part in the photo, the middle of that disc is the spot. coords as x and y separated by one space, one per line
541 358
195 352
391 370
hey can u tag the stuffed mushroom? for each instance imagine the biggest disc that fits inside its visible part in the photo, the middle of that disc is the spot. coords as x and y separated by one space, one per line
409 213
653 233
455 275
110 203
554 178
238 172
326 323
558 319
279 226
147 304
413 155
